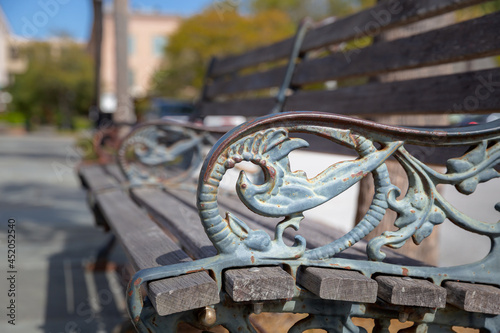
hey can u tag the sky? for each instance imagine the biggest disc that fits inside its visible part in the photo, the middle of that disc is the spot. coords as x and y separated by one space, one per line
41 19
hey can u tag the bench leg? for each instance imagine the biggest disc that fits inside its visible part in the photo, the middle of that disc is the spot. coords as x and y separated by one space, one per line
101 262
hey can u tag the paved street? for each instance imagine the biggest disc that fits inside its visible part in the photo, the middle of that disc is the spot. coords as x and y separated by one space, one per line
56 236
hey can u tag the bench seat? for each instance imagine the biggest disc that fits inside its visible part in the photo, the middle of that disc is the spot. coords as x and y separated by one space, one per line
158 226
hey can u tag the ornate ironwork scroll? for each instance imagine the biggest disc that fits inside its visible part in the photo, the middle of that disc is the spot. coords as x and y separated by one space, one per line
162 152
268 141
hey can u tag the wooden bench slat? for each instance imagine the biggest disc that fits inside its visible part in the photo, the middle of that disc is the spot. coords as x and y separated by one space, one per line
410 292
94 178
258 284
256 81
477 38
252 107
177 218
368 21
337 284
353 26
147 246
254 57
114 171
473 297
434 95
184 223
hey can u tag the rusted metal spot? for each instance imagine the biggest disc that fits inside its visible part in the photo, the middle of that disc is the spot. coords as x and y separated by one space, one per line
357 174
405 271
137 282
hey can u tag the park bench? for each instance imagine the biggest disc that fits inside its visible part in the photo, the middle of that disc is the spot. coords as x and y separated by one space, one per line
250 260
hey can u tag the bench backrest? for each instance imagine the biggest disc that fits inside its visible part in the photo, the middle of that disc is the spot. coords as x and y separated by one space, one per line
324 58
215 78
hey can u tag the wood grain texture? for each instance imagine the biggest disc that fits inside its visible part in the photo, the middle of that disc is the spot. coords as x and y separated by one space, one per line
340 285
251 107
114 171
440 94
256 81
370 21
473 297
147 246
178 218
94 178
253 57
477 38
410 292
258 284
383 16
463 41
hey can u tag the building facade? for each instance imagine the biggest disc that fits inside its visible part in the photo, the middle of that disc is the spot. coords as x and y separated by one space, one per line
4 49
147 37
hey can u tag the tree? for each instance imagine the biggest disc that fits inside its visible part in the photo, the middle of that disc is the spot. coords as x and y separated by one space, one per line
213 33
318 9
57 84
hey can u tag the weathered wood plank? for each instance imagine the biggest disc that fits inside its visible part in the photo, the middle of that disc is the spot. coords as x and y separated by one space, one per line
94 178
254 57
252 107
471 92
181 219
383 16
410 292
463 41
473 297
337 284
147 246
261 80
258 284
114 171
177 218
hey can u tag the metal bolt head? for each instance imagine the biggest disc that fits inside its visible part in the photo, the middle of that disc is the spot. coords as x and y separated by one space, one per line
407 278
254 269
207 317
257 307
403 317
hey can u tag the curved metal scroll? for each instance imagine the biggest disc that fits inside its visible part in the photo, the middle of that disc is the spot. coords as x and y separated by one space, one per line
162 152
267 143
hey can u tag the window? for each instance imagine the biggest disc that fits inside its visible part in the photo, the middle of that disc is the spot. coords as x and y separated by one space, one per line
14 52
159 44
131 45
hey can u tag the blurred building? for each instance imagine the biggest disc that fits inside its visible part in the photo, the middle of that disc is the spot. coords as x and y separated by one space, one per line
4 49
148 34
11 62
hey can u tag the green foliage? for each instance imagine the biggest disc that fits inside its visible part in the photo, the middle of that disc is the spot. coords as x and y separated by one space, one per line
213 33
318 9
85 145
56 86
82 123
13 117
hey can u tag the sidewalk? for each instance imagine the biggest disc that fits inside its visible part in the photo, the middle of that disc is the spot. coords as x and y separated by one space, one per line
55 237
